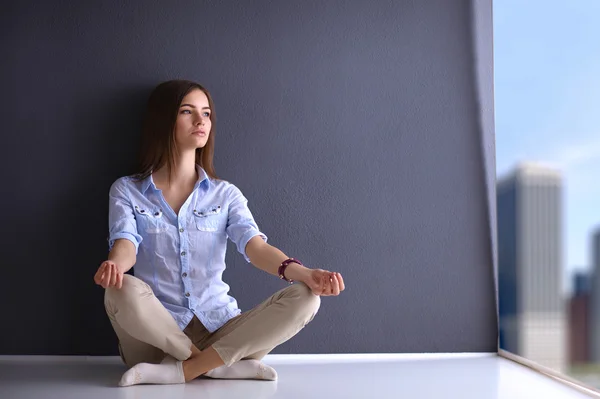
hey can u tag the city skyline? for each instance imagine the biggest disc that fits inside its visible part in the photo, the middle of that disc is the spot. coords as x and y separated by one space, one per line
547 93
568 272
531 307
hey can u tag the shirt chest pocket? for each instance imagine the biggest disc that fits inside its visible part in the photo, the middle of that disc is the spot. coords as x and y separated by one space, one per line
210 219
150 220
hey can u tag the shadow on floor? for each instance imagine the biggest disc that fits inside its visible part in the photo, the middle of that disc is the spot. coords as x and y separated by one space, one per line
51 380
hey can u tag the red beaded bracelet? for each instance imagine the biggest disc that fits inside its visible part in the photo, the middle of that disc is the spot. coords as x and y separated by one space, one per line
284 265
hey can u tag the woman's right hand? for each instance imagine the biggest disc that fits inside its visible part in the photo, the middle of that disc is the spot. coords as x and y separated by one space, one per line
109 275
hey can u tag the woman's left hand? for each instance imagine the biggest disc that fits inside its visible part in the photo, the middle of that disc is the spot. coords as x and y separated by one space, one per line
325 283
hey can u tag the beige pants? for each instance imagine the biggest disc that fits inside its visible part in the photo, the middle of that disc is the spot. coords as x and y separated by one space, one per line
147 331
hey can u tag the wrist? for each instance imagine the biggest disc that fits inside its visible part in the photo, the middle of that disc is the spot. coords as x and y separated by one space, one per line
297 272
122 265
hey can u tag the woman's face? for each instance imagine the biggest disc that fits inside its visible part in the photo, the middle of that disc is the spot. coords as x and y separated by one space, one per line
193 124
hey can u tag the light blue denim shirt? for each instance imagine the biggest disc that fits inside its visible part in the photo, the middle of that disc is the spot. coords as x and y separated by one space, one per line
182 257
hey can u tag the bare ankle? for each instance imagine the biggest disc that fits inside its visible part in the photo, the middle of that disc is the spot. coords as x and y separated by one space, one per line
185 366
200 362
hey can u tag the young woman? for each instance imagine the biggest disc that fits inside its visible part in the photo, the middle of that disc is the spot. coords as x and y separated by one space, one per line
175 320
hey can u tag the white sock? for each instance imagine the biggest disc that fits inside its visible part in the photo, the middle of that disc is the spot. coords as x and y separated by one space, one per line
169 371
244 369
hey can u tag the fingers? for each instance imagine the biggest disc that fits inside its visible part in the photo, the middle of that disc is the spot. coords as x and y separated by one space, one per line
341 281
326 285
119 280
335 285
114 275
98 275
320 287
107 276
328 288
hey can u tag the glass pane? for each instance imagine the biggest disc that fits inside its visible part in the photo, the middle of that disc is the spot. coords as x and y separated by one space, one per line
547 110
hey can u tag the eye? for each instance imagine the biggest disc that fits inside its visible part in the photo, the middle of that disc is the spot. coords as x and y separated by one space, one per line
186 111
207 114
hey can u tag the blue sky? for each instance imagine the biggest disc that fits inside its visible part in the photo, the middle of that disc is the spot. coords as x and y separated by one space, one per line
547 103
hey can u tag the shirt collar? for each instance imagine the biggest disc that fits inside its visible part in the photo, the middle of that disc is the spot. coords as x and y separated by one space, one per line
202 176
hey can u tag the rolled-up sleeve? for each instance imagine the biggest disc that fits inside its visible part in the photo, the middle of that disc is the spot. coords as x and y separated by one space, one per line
121 219
241 226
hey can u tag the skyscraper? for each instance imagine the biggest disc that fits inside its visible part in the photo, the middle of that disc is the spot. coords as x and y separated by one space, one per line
595 299
532 311
579 321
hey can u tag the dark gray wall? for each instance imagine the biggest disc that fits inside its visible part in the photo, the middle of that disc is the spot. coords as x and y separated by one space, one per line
352 127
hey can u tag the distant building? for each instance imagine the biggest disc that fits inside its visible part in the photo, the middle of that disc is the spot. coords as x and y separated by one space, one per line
582 283
532 310
579 324
595 299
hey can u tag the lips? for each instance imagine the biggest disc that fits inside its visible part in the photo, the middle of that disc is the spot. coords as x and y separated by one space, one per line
199 133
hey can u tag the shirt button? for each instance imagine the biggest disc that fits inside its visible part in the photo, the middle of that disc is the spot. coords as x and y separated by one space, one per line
184 275
181 230
187 294
183 253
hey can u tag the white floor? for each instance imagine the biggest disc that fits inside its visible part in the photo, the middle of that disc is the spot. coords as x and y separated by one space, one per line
465 376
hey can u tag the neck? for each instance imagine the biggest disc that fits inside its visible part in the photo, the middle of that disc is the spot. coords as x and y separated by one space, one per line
182 175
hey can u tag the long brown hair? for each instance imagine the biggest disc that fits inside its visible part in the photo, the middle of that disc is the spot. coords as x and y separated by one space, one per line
158 130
